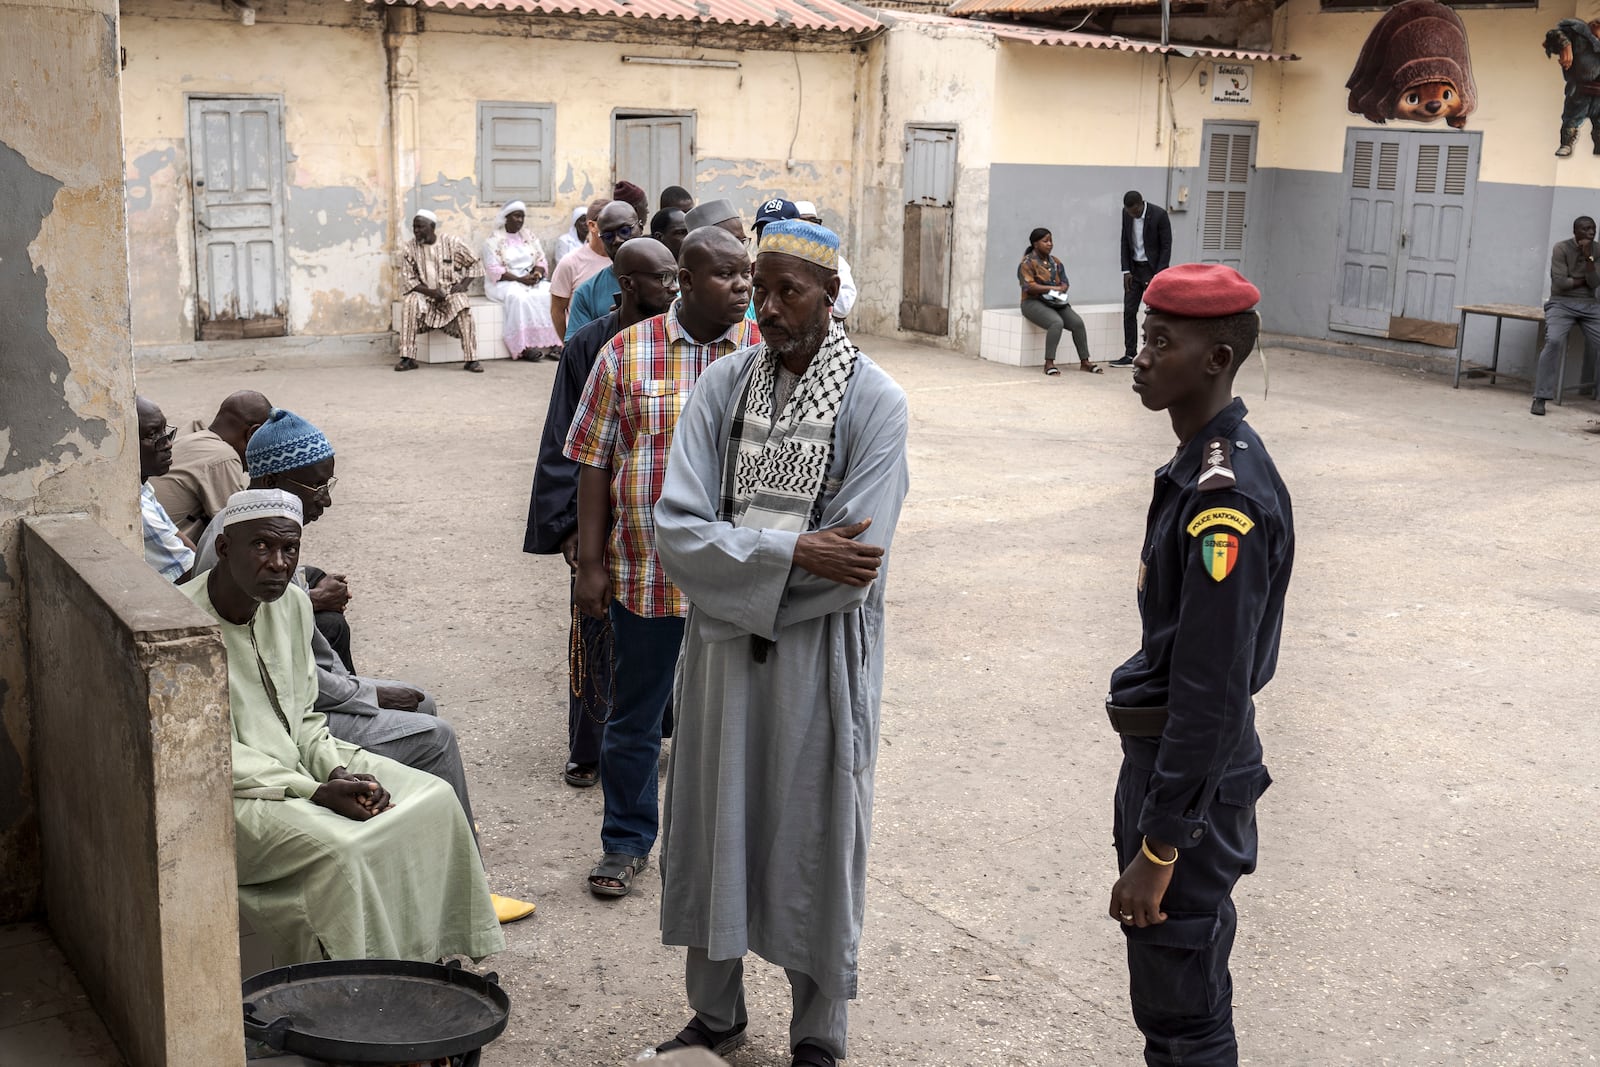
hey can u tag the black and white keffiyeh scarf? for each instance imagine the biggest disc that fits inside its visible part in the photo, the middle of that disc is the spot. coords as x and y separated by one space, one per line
776 464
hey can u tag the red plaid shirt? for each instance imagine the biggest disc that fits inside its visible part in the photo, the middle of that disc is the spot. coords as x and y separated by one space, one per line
624 425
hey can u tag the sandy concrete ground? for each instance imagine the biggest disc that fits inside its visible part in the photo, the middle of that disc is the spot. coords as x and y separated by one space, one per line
1426 874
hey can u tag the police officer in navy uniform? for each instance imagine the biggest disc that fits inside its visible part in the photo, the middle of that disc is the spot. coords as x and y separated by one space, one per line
1218 549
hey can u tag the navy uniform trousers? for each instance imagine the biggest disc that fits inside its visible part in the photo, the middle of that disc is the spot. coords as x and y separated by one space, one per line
1178 975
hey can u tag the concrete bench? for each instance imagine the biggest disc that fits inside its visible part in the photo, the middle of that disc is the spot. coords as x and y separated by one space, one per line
436 346
1009 338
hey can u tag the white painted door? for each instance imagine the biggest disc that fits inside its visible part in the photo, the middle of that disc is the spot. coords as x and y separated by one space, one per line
1403 236
236 163
1229 159
654 151
930 198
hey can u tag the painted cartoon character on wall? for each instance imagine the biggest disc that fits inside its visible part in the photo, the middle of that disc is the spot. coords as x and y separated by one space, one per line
1415 67
1575 44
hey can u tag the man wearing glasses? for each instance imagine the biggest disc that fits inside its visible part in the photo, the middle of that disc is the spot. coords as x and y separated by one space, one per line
165 549
621 434
617 224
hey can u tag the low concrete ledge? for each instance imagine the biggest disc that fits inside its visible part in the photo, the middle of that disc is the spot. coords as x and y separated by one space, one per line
132 750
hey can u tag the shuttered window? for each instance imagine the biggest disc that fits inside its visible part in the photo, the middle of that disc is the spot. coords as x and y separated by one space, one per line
1225 209
515 149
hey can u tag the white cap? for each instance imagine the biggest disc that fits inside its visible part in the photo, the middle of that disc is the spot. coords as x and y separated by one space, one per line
248 505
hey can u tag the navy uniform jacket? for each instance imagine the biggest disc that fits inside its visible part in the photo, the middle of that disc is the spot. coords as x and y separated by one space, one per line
1219 546
553 504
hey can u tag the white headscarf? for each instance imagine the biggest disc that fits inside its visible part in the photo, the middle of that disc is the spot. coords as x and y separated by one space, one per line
515 205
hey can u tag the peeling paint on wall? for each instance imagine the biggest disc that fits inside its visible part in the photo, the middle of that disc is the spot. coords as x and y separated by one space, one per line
140 172
40 421
320 218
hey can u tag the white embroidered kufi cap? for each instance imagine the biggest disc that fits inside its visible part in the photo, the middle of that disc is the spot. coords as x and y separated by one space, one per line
250 504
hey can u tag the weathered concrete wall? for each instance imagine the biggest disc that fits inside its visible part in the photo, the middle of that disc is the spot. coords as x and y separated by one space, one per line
922 73
130 689
326 63
795 105
67 437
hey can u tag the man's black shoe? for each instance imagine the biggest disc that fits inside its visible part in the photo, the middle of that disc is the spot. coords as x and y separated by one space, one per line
1538 405
1125 361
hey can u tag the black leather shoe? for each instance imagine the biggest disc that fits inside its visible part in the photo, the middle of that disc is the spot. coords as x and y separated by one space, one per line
1538 406
406 363
473 367
1125 361
809 1055
698 1035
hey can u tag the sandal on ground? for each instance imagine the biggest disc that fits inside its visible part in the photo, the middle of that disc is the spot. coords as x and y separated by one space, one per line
406 363
1052 369
698 1035
473 367
809 1055
616 867
581 775
1089 368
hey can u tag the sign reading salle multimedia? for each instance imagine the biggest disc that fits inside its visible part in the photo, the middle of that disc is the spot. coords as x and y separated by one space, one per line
1230 82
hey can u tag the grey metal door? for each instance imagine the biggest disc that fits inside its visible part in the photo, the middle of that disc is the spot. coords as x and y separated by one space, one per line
1403 238
1369 231
930 192
236 164
653 151
1433 232
1229 158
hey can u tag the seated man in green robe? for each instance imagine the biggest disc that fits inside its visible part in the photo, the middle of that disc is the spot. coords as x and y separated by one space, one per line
341 854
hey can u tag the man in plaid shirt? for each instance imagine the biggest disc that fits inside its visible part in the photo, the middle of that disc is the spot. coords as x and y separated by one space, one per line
620 436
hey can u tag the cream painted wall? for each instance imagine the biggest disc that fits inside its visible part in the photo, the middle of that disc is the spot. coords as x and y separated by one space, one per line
922 73
1519 95
1104 107
744 119
331 79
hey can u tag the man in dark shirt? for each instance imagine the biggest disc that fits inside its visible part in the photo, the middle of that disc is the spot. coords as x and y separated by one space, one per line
1219 546
1573 282
642 267
1146 251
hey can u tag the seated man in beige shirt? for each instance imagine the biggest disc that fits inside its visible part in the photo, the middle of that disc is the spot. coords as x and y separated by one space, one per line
208 463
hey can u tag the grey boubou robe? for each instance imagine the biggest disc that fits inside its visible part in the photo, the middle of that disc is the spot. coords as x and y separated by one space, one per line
769 791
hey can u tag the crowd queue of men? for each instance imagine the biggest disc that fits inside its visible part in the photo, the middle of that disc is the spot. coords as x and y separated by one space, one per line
722 471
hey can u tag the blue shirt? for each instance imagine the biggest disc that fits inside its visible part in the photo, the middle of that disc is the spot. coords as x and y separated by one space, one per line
163 549
1217 555
592 299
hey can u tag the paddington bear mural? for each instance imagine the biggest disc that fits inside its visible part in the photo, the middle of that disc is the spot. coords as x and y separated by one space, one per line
1574 43
1415 67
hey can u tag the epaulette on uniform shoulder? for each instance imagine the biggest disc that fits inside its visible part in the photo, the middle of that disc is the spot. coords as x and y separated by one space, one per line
1216 466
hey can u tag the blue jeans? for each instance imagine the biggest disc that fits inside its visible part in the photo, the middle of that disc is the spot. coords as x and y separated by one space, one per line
1560 315
1178 975
647 656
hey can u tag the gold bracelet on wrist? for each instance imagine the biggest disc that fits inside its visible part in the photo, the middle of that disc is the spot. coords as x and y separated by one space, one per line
1144 846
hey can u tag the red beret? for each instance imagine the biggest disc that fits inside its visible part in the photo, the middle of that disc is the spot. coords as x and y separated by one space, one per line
1201 291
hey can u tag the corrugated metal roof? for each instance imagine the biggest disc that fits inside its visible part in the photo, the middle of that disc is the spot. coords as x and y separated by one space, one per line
786 14
1011 31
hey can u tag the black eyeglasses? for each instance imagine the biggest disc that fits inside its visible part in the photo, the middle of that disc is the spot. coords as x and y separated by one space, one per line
621 233
161 436
316 490
668 278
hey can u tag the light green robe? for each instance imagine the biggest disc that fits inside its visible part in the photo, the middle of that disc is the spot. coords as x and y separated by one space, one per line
406 884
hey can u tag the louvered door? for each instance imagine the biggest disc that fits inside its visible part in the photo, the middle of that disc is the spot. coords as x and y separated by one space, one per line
1369 233
1228 156
1403 236
1433 231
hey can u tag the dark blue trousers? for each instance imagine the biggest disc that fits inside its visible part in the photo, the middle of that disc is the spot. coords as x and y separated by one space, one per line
647 656
1178 975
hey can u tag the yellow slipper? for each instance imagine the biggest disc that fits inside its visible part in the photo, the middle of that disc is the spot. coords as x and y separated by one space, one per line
508 910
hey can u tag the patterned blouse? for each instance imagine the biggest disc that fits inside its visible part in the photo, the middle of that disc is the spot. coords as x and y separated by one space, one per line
1032 272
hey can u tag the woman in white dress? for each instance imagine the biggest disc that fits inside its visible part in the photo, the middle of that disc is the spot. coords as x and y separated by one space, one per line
514 276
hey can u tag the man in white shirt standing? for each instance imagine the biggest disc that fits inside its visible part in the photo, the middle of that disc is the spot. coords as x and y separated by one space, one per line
1146 252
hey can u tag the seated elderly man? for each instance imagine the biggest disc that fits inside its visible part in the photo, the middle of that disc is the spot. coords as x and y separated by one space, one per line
208 463
341 853
384 717
165 549
436 270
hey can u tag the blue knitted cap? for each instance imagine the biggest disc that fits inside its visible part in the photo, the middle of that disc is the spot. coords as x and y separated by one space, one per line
285 442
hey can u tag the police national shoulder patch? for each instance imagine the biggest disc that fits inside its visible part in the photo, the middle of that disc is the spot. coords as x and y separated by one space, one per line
1216 465
1238 520
1219 552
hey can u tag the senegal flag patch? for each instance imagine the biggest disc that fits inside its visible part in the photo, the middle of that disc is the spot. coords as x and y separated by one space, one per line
1219 552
